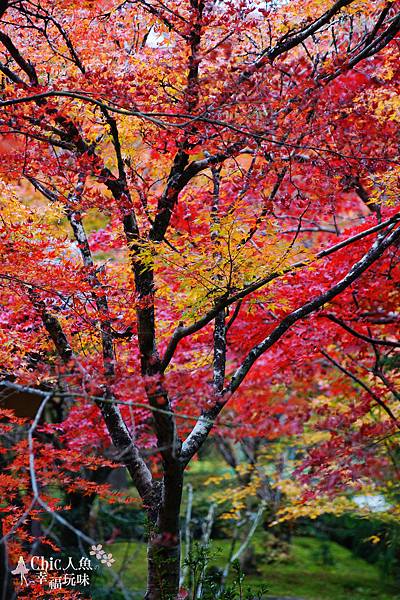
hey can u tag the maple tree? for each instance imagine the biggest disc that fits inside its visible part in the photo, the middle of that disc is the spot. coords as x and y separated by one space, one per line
198 212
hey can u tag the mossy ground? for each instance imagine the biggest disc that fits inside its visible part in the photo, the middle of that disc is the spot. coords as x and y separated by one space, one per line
301 574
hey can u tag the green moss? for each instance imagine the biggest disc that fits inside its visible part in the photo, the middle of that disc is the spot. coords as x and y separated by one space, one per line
304 575
301 575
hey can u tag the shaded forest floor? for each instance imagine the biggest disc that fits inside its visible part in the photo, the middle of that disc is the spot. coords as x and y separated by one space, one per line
313 569
301 575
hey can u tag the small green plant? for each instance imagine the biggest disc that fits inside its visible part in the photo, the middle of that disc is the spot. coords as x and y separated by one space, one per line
205 580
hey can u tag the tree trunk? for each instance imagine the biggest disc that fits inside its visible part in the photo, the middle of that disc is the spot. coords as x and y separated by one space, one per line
164 544
163 562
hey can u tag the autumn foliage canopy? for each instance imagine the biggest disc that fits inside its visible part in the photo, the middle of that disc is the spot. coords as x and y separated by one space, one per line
199 234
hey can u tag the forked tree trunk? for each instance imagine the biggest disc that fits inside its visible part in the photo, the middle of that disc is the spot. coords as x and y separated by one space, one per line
164 544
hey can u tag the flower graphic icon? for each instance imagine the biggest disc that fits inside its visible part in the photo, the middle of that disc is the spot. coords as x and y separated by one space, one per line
97 551
21 570
108 560
100 554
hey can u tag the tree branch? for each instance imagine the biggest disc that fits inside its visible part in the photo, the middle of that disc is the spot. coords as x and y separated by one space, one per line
372 48
25 65
121 438
153 118
296 38
365 387
3 7
361 336
202 428
181 331
377 249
